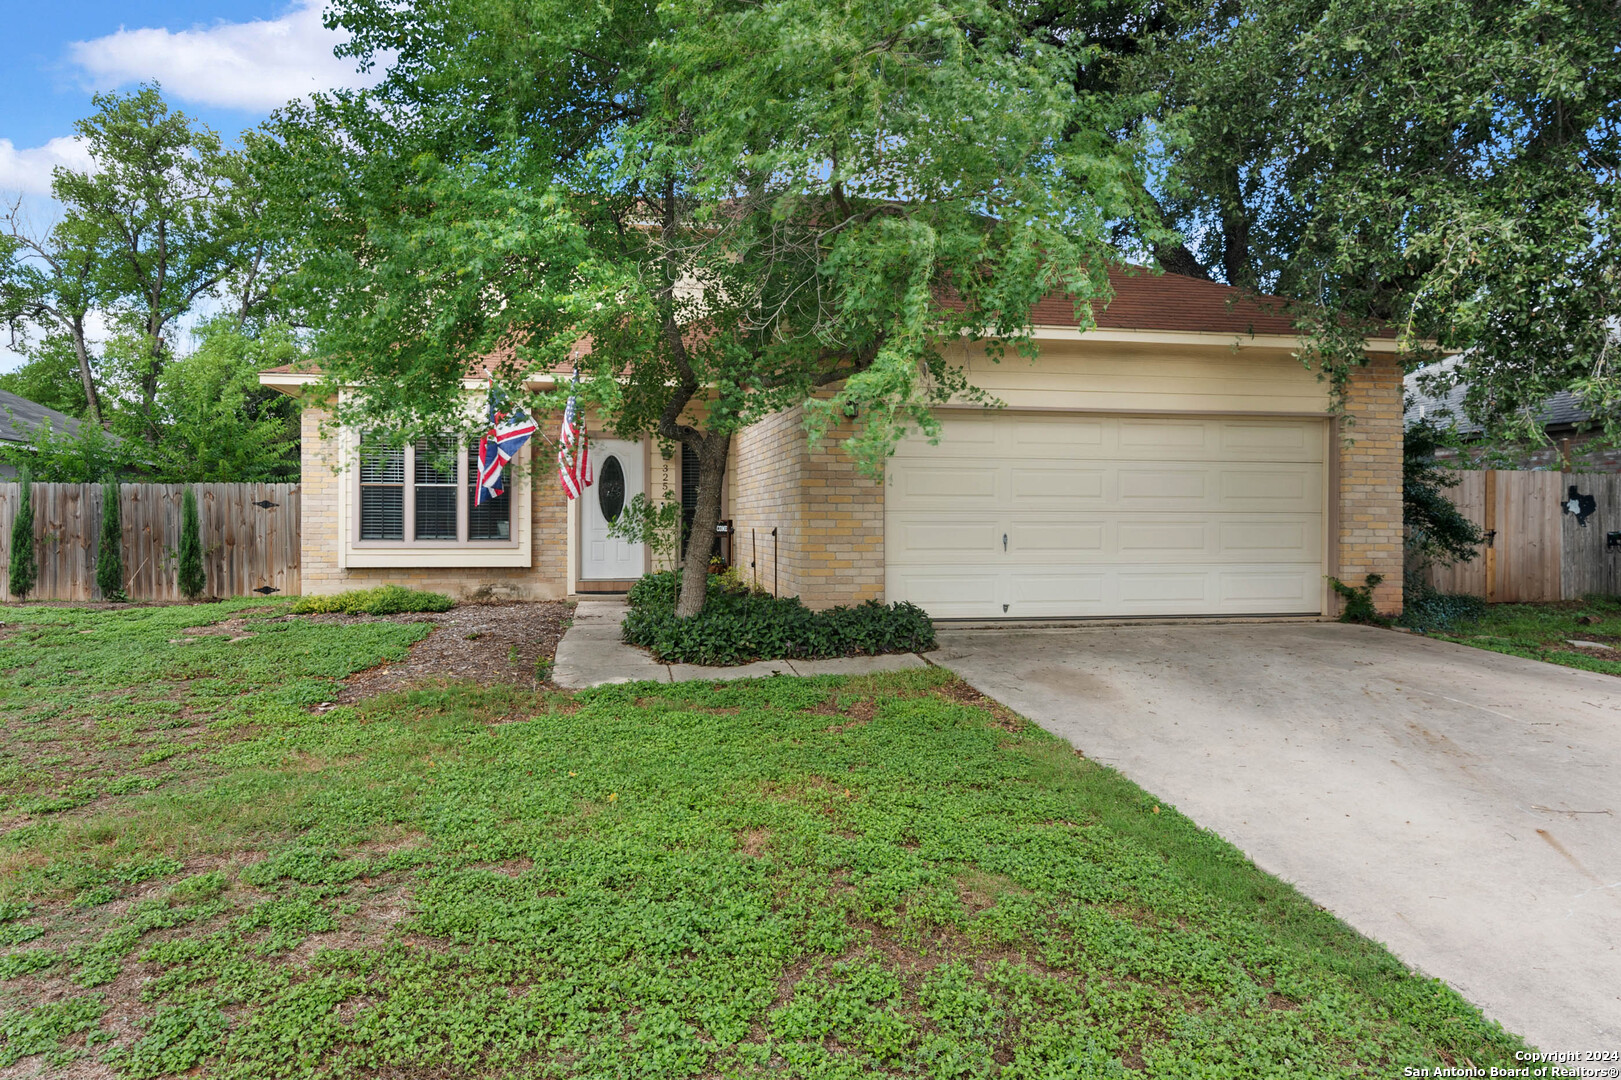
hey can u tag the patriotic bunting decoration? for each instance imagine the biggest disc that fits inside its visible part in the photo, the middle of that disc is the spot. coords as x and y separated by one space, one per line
573 449
499 445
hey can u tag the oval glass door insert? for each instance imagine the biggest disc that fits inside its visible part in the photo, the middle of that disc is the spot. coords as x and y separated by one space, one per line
611 488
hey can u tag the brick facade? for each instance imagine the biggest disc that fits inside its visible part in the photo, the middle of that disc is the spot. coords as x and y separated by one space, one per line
546 578
1370 481
829 547
829 519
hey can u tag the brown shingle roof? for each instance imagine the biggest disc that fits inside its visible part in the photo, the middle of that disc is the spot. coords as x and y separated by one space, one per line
1144 300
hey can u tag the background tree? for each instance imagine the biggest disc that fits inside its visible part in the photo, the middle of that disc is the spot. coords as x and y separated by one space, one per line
24 567
47 285
1435 528
190 575
50 377
158 224
110 547
1447 167
740 206
216 423
86 455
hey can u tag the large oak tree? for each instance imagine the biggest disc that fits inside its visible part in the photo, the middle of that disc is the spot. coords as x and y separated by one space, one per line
738 206
1446 166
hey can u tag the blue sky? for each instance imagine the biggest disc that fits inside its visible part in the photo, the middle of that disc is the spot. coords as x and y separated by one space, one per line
226 62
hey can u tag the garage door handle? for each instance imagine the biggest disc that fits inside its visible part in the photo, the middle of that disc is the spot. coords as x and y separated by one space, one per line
1004 541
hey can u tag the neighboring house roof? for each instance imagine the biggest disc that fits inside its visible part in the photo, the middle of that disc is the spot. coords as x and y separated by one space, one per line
1445 406
19 418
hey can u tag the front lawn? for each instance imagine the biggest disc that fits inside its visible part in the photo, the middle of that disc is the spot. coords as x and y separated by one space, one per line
204 868
1546 631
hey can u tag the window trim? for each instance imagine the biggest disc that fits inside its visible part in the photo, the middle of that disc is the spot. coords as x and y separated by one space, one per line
411 552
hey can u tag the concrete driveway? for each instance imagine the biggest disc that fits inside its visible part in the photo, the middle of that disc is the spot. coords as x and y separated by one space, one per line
1438 798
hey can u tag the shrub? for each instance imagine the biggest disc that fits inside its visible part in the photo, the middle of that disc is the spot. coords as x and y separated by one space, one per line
110 547
24 568
737 626
192 578
383 600
1433 610
1359 601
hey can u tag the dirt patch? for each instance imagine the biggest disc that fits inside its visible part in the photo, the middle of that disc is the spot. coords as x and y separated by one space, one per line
487 643
753 842
1001 715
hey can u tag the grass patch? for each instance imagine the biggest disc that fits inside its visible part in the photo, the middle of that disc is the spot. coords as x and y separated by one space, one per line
785 877
383 600
1545 631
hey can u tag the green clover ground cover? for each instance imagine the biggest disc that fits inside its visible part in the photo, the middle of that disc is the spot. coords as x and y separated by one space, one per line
796 877
1544 632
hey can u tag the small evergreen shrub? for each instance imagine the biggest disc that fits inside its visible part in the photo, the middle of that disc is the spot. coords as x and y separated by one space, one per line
24 567
383 600
1431 610
110 546
1359 601
738 626
193 579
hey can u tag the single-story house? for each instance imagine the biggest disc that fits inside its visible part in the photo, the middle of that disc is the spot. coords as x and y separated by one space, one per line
1175 460
20 418
1573 434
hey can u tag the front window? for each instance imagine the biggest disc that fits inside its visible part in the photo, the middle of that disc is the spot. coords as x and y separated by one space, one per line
435 489
423 493
382 489
491 520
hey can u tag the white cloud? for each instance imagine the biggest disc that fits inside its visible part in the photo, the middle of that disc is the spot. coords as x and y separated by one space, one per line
28 171
255 65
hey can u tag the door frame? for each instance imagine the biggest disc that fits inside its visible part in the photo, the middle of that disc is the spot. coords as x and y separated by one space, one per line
577 518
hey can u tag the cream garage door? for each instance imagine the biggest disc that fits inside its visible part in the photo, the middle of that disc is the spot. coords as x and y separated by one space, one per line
1035 515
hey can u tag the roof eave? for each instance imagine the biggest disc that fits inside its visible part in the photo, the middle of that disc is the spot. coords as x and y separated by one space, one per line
1223 339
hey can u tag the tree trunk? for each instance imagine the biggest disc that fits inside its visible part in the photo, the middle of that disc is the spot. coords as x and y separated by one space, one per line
82 353
712 453
1235 235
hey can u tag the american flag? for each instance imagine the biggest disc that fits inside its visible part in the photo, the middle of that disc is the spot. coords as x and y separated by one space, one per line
573 450
499 445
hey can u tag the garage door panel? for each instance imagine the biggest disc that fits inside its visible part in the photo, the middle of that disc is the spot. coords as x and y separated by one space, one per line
1153 540
1163 438
1057 482
1286 539
1265 590
935 481
948 535
1271 487
959 438
1271 441
949 595
1084 437
1109 516
1046 539
1060 591
1181 486
1163 585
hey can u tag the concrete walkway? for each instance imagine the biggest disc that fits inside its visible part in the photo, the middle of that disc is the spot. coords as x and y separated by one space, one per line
591 654
1461 806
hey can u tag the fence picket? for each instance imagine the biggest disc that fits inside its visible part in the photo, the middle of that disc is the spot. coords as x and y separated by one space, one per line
1539 552
249 533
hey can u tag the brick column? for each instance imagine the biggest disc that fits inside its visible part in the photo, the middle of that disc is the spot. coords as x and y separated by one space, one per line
1370 480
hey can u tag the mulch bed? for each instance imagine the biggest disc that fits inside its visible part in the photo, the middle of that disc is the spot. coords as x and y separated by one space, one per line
488 643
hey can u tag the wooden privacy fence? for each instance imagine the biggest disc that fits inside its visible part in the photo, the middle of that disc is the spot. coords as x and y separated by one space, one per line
1537 548
250 535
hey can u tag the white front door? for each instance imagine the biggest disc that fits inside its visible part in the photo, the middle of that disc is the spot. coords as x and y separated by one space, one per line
619 478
